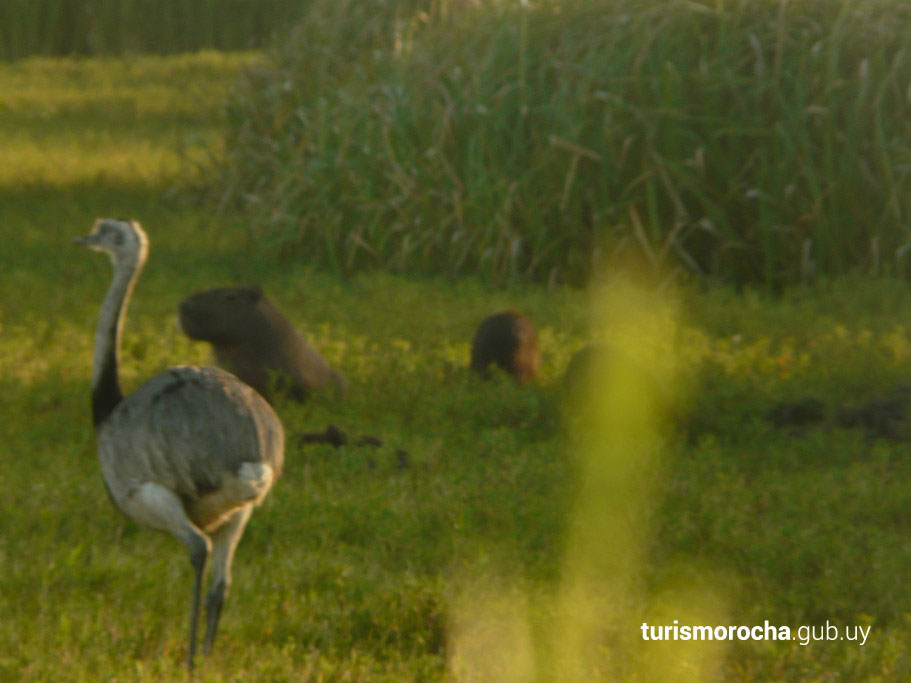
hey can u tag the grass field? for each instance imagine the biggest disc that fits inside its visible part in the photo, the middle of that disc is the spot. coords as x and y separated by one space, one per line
502 550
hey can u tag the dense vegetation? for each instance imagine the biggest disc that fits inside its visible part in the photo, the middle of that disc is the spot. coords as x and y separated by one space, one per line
506 545
544 140
115 27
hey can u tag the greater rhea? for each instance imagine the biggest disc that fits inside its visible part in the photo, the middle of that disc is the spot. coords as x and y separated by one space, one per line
191 451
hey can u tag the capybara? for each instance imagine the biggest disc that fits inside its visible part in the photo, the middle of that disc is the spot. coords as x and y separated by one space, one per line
507 339
256 342
587 364
600 373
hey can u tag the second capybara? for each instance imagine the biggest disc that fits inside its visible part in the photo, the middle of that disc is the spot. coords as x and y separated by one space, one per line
506 339
252 339
587 363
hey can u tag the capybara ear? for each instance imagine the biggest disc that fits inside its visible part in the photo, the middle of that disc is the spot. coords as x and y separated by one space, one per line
255 292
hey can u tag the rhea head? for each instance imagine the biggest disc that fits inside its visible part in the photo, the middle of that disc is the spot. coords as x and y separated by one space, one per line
120 238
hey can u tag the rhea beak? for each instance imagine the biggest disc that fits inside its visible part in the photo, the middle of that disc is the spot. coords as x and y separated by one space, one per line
89 240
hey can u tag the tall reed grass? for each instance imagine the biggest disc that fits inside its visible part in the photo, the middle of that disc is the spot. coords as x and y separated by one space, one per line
747 140
100 27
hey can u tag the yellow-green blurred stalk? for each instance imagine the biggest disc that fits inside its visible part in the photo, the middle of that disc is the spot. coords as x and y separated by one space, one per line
616 432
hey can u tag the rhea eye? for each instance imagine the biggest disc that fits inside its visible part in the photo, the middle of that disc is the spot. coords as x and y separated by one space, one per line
118 238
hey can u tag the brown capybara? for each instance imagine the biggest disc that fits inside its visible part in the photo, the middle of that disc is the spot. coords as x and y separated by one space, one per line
507 339
256 342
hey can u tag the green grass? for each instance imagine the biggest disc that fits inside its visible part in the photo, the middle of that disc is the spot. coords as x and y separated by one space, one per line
490 554
544 141
117 27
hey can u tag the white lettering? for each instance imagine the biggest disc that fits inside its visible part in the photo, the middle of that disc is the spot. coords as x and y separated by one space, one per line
766 631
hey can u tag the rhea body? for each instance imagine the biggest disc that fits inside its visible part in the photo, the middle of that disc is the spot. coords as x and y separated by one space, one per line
191 452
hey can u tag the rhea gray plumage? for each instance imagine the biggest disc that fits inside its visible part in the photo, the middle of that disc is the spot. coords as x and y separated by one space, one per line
191 451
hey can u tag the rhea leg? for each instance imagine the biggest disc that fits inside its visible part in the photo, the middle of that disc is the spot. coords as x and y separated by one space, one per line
199 552
224 543
159 508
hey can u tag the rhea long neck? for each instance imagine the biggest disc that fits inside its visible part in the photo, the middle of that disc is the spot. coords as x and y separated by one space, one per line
106 393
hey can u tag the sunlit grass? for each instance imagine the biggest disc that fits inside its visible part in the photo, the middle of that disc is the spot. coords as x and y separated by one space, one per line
114 121
491 551
102 158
